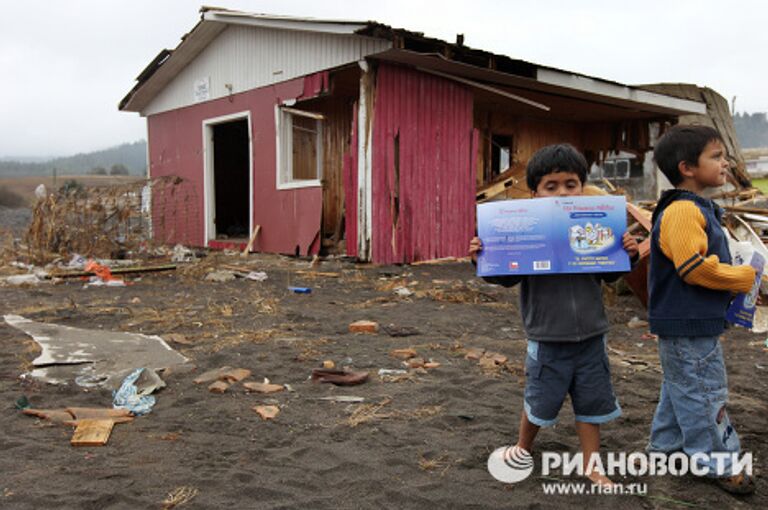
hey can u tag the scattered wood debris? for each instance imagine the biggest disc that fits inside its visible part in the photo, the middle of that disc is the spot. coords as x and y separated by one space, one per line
267 412
226 374
263 387
219 386
93 426
403 353
339 377
364 326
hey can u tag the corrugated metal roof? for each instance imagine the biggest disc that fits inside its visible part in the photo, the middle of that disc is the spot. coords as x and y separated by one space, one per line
286 22
406 45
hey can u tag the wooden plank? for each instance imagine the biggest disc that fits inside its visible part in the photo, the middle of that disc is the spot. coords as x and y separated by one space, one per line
318 273
753 210
249 246
99 413
442 260
92 432
640 216
303 113
496 188
117 270
56 415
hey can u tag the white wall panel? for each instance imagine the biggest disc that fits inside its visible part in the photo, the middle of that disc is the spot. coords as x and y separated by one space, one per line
249 58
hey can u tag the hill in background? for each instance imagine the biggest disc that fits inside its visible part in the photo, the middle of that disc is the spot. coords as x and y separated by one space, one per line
130 158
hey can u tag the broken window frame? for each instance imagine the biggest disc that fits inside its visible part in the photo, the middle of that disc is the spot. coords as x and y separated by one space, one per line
284 130
502 148
617 169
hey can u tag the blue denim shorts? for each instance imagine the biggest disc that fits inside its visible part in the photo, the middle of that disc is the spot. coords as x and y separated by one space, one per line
556 369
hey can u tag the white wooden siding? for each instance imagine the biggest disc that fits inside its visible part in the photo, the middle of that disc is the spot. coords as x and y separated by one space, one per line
248 58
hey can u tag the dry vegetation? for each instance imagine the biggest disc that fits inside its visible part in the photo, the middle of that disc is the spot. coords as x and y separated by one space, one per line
98 221
25 186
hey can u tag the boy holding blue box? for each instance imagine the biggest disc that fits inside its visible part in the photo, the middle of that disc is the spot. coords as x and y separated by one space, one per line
565 322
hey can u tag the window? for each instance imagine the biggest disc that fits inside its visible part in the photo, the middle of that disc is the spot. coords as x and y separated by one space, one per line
616 169
501 154
636 169
622 168
300 150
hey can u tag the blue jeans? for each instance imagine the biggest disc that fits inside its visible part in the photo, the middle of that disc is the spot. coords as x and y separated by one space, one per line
691 415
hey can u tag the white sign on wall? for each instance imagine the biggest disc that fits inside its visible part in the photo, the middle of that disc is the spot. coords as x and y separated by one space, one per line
202 89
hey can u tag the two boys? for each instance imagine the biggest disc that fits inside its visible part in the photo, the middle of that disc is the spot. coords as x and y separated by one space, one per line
690 284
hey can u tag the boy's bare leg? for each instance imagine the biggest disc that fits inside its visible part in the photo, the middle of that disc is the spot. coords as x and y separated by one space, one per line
589 437
527 433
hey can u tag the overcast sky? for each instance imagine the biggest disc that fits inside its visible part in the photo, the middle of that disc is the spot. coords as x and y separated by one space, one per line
65 64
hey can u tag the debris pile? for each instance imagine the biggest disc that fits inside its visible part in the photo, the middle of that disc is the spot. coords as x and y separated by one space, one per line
109 222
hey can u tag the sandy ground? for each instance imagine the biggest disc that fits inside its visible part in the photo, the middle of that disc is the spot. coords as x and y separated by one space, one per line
421 442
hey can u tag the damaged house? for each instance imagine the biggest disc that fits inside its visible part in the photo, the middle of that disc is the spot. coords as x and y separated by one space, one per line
360 139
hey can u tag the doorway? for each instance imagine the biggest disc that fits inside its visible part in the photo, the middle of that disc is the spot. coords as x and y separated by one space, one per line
228 178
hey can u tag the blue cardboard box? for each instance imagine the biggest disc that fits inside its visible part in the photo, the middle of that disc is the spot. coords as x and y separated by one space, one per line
552 235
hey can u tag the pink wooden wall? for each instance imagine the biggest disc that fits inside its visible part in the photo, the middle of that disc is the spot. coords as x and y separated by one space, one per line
288 218
432 119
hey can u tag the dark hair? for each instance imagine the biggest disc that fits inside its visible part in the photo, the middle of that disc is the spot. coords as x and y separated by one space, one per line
682 143
552 159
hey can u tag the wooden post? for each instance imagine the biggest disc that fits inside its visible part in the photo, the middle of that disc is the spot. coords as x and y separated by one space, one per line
249 246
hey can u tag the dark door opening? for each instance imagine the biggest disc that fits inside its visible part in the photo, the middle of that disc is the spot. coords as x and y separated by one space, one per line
231 180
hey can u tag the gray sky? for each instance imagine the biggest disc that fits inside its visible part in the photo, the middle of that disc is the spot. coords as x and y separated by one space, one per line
67 63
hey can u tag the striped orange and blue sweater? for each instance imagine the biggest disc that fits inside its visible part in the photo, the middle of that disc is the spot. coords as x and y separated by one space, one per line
691 279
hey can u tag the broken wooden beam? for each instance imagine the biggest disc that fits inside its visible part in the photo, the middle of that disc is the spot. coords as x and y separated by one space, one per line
442 260
119 270
741 209
252 240
494 189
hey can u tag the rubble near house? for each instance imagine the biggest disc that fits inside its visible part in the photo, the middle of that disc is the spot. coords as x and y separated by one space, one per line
114 221
746 207
719 117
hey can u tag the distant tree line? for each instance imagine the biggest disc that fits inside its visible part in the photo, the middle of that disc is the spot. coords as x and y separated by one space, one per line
125 159
116 169
751 129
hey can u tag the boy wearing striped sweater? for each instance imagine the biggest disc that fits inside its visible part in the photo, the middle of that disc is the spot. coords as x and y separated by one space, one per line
691 282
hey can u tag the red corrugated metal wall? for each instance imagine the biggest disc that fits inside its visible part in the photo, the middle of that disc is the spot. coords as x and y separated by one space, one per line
288 218
423 167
